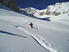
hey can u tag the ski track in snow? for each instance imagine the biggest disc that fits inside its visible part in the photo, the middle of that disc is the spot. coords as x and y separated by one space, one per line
39 41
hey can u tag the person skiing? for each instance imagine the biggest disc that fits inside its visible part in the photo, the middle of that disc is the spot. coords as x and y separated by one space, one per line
31 25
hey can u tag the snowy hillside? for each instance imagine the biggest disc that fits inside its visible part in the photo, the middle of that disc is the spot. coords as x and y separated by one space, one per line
52 11
30 10
46 36
57 9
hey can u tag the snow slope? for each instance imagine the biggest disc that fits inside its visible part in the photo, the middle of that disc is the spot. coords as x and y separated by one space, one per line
12 43
47 36
12 29
29 10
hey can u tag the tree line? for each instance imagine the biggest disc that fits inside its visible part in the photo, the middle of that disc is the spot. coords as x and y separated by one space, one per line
11 4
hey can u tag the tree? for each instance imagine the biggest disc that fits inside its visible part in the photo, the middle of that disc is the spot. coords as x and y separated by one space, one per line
13 5
2 1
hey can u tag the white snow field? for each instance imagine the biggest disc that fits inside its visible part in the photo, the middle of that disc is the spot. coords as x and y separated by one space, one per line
46 36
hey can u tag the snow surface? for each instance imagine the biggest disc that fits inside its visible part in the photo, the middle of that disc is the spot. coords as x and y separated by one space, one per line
46 36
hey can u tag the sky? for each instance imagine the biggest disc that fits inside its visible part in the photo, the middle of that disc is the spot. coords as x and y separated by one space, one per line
38 4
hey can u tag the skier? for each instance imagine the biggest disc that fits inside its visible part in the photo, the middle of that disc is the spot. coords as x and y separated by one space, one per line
31 25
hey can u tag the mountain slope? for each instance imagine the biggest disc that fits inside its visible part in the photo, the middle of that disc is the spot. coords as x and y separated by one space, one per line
15 43
54 12
12 29
53 34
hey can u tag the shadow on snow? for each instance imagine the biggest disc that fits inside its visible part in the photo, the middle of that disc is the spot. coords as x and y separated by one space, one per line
9 33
